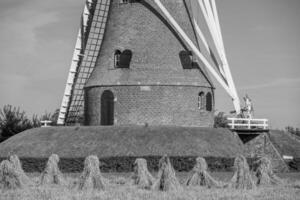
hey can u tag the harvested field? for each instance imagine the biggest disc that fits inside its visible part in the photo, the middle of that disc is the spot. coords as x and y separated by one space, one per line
128 192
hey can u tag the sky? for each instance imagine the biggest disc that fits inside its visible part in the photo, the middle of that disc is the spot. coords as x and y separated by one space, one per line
261 37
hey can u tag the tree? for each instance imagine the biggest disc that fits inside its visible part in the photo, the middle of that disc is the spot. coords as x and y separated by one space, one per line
36 122
54 117
51 117
13 121
220 120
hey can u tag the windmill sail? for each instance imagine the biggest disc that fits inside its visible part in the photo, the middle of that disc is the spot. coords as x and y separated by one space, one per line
221 72
91 34
86 51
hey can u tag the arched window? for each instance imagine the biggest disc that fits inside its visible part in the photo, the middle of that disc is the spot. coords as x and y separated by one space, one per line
117 57
122 59
201 103
186 58
209 102
107 108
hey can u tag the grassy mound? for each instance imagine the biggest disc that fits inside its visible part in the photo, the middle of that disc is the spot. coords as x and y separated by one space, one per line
287 145
118 147
70 142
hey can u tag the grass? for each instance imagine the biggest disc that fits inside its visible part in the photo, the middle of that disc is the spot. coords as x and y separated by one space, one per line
285 143
129 192
79 142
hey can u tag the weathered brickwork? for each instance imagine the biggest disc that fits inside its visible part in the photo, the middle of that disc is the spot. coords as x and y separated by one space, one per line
155 105
155 89
155 46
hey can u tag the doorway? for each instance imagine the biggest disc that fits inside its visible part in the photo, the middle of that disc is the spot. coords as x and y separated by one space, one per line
107 108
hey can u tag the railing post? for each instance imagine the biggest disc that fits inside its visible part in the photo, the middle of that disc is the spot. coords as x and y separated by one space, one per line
249 123
265 124
232 126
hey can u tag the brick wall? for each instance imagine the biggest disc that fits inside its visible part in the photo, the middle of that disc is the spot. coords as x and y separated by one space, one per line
155 105
155 46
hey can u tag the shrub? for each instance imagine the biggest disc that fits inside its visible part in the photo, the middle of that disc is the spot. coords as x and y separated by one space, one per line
294 164
13 121
51 117
292 130
220 120
126 163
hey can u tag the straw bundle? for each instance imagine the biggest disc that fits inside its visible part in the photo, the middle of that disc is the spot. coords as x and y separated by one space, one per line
167 180
142 177
14 159
91 177
9 178
52 174
201 177
265 175
242 178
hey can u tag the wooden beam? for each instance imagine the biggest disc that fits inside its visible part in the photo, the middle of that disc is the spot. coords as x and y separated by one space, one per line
193 47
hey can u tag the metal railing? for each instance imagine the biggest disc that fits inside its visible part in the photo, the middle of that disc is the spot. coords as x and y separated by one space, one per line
247 123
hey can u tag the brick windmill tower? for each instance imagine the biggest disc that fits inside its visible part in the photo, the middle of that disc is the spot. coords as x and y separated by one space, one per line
139 61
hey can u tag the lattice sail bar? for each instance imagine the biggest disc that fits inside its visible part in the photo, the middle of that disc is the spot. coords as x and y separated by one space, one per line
85 54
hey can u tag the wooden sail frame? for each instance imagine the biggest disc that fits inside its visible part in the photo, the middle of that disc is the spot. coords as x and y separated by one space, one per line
87 48
222 72
89 42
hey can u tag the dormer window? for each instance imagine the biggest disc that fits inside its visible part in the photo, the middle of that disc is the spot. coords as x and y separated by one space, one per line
122 59
186 58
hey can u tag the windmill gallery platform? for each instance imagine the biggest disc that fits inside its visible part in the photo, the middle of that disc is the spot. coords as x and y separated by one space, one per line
118 146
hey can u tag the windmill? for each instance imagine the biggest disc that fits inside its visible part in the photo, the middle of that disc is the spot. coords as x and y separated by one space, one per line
95 17
86 50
